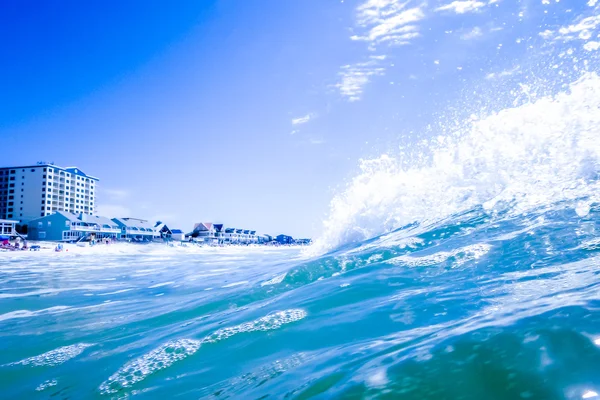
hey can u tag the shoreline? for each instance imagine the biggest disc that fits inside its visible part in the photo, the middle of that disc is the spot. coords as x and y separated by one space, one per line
47 247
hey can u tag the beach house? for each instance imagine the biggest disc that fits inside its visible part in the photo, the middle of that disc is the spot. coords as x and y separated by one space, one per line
284 239
66 226
135 229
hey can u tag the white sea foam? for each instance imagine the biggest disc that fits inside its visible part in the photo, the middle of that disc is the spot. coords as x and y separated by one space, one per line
275 280
266 323
46 384
171 352
29 314
161 285
460 256
528 156
156 360
55 357
234 284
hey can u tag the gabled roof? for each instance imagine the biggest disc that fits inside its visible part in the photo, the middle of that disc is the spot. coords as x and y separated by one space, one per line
218 227
203 226
70 216
77 171
86 219
96 219
139 224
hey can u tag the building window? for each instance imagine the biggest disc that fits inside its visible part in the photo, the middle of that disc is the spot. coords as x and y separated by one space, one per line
12 178
12 185
32 170
12 171
49 224
22 190
11 191
44 176
48 208
11 197
9 215
44 169
39 223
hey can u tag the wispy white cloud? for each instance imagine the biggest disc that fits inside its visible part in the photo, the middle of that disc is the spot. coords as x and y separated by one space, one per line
354 77
315 141
472 34
502 74
387 21
462 6
303 120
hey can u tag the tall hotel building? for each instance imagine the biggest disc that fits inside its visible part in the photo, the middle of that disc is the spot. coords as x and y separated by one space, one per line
35 191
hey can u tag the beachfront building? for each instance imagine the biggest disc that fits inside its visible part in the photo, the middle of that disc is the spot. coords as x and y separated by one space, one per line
237 236
135 229
34 191
207 232
284 239
69 227
162 231
204 232
177 235
7 228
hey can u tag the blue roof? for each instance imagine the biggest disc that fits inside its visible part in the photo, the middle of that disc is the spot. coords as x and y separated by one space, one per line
176 231
77 171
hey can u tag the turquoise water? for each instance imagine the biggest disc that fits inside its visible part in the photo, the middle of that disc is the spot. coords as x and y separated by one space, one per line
475 306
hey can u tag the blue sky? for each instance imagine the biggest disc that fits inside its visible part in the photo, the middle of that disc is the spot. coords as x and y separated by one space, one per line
254 113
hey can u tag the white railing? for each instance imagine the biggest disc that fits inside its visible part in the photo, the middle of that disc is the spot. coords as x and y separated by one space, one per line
94 228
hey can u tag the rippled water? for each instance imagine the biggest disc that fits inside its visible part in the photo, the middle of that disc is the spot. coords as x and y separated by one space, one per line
475 306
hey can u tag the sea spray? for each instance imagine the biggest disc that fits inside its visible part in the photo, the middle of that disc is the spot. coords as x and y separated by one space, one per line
528 156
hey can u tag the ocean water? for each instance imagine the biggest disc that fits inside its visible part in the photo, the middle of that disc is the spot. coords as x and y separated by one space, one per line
462 266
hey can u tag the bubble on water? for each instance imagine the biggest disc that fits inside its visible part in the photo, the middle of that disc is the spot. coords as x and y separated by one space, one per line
46 384
55 357
266 323
589 394
156 360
